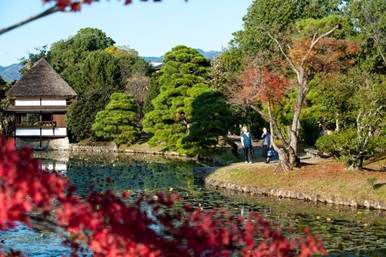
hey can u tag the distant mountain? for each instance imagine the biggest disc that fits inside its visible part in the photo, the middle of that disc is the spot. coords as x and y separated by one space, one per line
153 59
11 73
210 54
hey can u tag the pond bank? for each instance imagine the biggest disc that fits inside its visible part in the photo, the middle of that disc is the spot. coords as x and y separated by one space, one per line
318 180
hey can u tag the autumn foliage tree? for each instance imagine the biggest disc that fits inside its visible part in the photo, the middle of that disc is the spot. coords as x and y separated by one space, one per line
302 62
109 226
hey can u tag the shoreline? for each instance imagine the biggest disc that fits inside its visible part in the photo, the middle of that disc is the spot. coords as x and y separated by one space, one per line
215 179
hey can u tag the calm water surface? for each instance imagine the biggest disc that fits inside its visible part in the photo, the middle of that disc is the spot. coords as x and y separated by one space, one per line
345 231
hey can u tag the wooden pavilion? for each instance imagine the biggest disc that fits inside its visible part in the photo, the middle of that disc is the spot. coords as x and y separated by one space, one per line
40 102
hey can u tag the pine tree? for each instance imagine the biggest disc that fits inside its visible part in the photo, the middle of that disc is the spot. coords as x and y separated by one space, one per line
183 79
116 121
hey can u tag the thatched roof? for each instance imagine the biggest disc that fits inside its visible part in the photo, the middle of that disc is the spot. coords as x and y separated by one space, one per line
41 81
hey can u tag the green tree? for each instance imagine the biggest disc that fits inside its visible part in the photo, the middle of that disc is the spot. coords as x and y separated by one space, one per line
183 79
28 62
99 77
67 55
361 134
153 91
95 68
211 118
277 17
135 75
225 69
369 18
116 122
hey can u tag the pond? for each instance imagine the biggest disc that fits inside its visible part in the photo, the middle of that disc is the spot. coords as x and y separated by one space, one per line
345 231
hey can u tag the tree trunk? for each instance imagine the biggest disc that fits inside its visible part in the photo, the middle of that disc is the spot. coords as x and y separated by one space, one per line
356 162
287 159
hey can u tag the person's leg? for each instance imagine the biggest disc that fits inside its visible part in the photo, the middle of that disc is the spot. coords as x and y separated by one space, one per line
246 154
265 151
249 153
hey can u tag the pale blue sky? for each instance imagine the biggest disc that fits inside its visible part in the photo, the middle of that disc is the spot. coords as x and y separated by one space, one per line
151 28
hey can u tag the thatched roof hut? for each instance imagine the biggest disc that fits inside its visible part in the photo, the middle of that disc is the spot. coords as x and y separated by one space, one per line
41 81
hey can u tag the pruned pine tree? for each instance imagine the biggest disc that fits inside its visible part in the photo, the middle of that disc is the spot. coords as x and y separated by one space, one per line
116 121
183 79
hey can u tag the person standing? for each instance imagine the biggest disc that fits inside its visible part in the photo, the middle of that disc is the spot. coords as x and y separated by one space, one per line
247 144
266 143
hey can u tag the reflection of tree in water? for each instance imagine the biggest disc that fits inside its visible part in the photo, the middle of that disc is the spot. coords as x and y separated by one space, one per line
127 172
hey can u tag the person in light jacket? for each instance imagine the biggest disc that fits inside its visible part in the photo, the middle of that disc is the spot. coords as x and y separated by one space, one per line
266 143
247 144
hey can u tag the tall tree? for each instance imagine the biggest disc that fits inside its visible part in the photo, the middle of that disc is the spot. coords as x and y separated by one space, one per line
278 17
116 121
360 135
153 91
99 77
225 69
369 18
28 62
211 118
67 55
135 75
308 55
183 79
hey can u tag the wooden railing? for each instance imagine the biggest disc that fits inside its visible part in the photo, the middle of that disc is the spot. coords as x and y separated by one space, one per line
44 124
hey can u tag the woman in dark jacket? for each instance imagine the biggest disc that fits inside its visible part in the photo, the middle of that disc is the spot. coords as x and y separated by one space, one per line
266 143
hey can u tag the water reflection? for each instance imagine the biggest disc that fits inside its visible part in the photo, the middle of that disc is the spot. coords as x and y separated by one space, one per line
345 231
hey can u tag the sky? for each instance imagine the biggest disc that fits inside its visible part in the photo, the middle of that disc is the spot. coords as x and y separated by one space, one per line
151 28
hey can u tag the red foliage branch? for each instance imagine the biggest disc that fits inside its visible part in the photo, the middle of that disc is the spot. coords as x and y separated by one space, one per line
23 186
259 85
329 55
150 226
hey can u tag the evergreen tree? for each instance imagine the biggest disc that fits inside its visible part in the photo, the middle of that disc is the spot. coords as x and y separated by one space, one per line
369 18
117 120
183 79
211 118
67 55
99 78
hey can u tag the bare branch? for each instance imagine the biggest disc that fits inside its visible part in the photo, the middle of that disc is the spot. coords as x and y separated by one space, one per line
43 14
315 41
284 53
